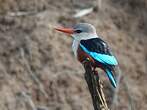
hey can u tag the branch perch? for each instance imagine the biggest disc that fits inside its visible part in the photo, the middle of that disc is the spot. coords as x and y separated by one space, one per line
95 88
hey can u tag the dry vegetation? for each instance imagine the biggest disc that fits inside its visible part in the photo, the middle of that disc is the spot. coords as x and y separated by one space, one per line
37 67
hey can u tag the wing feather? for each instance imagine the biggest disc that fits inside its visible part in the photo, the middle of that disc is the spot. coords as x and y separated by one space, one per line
99 50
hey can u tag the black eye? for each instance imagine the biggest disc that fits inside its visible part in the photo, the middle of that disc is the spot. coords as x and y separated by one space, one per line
78 31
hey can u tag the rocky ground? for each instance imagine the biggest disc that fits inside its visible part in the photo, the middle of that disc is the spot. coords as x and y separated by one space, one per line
37 66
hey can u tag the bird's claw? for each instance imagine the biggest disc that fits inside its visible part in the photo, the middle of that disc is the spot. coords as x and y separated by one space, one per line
87 60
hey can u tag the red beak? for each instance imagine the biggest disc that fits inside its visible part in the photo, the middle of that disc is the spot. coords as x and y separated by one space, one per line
65 30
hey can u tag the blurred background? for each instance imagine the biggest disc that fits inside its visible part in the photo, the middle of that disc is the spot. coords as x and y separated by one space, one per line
38 70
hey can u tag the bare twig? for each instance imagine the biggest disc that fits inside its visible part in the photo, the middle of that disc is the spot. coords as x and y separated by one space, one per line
34 77
95 88
27 100
115 96
126 87
21 13
83 12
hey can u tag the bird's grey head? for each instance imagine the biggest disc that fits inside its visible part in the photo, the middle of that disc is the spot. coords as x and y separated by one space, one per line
84 31
84 28
80 31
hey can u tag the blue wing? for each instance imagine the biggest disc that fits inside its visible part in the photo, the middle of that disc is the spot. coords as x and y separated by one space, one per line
99 50
111 77
101 57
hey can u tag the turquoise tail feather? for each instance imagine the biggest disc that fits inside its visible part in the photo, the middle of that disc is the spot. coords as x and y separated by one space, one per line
111 77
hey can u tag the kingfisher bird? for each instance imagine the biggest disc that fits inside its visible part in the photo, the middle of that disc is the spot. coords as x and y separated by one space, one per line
88 45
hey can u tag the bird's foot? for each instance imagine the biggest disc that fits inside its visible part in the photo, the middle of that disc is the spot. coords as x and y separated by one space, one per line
86 61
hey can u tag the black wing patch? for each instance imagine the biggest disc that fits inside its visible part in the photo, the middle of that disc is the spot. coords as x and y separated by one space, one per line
96 45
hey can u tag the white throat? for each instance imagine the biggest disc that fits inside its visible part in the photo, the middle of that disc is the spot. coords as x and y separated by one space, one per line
78 38
84 36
